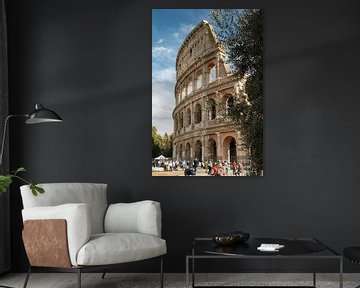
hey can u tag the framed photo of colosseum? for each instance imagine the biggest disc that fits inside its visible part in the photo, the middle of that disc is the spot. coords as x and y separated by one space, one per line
207 92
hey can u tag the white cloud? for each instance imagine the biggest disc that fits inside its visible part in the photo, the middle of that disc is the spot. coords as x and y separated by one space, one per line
182 31
186 28
162 52
163 103
164 75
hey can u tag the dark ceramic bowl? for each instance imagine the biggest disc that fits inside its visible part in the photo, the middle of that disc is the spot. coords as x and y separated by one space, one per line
225 239
231 238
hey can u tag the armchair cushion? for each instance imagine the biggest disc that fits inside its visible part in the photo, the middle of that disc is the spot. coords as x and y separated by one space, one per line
78 221
93 194
113 248
138 217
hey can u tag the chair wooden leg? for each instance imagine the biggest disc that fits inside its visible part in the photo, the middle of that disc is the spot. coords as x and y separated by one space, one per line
27 277
161 273
79 277
103 275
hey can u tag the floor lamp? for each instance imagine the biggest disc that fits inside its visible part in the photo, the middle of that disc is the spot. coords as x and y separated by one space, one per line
39 115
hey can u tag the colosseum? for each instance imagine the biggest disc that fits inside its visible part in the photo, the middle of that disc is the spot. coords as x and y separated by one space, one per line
204 90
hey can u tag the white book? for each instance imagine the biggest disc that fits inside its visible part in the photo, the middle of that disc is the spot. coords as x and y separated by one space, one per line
270 247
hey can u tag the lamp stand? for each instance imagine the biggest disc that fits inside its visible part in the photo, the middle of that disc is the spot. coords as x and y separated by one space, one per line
39 115
4 135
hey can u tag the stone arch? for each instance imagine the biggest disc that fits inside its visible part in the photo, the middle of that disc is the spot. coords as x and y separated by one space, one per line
189 88
198 79
181 120
175 123
187 151
211 72
230 102
229 145
197 114
212 109
181 149
188 117
212 150
198 150
183 93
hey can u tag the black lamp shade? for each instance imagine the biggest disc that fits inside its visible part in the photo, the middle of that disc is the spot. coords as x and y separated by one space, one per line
42 115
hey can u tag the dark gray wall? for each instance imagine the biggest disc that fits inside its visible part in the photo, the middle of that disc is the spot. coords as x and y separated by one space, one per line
91 62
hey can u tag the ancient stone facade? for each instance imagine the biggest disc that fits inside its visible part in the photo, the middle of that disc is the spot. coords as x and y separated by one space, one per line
204 90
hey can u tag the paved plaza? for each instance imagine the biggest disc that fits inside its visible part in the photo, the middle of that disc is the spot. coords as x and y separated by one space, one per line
179 172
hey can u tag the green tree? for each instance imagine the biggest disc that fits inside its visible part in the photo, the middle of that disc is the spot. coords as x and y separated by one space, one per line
167 142
156 143
241 33
161 144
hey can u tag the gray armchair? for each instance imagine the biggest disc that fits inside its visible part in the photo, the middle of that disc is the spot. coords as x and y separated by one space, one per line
72 228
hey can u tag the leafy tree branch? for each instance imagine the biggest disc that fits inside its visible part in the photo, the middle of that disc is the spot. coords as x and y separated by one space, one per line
241 33
6 180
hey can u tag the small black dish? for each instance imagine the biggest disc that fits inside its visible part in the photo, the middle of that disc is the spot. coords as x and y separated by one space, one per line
231 238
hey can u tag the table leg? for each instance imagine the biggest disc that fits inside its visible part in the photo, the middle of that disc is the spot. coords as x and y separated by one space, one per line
187 272
193 267
314 271
341 273
193 272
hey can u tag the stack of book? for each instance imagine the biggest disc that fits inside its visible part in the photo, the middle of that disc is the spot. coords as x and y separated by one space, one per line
270 247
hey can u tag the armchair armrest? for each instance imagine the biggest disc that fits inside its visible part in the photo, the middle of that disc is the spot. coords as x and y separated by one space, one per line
138 217
78 223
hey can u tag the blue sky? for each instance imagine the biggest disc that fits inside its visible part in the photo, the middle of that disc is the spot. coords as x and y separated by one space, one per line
169 29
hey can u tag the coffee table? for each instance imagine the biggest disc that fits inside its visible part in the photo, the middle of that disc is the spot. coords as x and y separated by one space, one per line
294 248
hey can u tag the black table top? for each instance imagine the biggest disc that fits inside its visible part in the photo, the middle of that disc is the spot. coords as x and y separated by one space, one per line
291 247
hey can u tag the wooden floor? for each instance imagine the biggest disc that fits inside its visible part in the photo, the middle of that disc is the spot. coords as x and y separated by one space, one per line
114 280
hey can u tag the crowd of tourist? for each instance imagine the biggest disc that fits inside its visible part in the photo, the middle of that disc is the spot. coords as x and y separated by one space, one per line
212 168
224 168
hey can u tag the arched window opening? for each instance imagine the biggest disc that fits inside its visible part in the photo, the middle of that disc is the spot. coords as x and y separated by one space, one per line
232 150
229 146
212 73
198 150
181 120
197 113
212 150
181 152
175 124
183 93
199 82
189 88
187 151
212 109
188 117
229 104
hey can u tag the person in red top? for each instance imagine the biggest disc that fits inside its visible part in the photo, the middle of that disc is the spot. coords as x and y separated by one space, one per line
215 171
233 167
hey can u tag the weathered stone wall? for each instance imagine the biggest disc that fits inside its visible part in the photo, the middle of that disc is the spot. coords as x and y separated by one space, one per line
204 89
